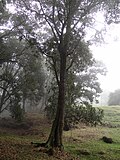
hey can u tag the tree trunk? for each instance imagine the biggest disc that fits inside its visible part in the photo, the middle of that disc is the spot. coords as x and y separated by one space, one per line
24 100
55 137
2 100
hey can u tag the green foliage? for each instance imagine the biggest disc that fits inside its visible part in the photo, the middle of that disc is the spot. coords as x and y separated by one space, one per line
15 106
22 73
86 114
9 85
81 90
17 112
32 77
75 114
82 87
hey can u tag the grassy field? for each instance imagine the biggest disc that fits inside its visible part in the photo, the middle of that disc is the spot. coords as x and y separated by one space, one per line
83 143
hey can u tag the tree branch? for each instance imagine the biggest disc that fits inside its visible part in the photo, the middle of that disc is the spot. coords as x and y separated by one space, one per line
86 11
71 63
48 21
9 32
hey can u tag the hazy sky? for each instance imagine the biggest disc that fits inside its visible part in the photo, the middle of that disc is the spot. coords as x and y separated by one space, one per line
109 53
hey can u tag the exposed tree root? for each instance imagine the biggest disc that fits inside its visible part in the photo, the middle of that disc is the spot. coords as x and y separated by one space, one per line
47 148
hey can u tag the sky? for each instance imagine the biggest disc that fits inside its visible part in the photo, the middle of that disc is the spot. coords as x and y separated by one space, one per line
109 54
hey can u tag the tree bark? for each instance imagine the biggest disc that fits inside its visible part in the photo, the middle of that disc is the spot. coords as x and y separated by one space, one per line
2 100
55 137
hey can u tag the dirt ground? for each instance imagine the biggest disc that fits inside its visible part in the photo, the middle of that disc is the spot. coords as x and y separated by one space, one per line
16 138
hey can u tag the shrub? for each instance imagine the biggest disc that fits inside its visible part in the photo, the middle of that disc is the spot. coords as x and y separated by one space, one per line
16 112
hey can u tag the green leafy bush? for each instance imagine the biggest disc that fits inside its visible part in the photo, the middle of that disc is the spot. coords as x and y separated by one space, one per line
16 113
15 108
87 114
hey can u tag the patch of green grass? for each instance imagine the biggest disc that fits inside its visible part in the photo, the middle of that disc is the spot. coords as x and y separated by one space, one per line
112 115
84 143
88 139
96 150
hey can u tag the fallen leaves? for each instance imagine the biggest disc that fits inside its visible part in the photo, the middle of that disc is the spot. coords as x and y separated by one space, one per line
15 142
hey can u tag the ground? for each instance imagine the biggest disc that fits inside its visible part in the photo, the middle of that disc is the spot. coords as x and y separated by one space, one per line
82 143
15 139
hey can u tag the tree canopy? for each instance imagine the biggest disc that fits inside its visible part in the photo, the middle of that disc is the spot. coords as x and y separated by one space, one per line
22 75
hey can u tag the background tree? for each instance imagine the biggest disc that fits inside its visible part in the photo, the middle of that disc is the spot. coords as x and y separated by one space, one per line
114 98
32 79
22 75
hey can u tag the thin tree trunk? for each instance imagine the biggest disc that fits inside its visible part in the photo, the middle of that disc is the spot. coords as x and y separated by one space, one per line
55 137
2 100
24 100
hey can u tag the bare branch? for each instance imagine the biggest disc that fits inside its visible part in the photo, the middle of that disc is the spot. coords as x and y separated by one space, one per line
71 63
48 19
5 107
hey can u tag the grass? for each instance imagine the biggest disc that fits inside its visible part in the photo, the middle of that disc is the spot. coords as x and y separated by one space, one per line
82 143
112 115
88 139
96 150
